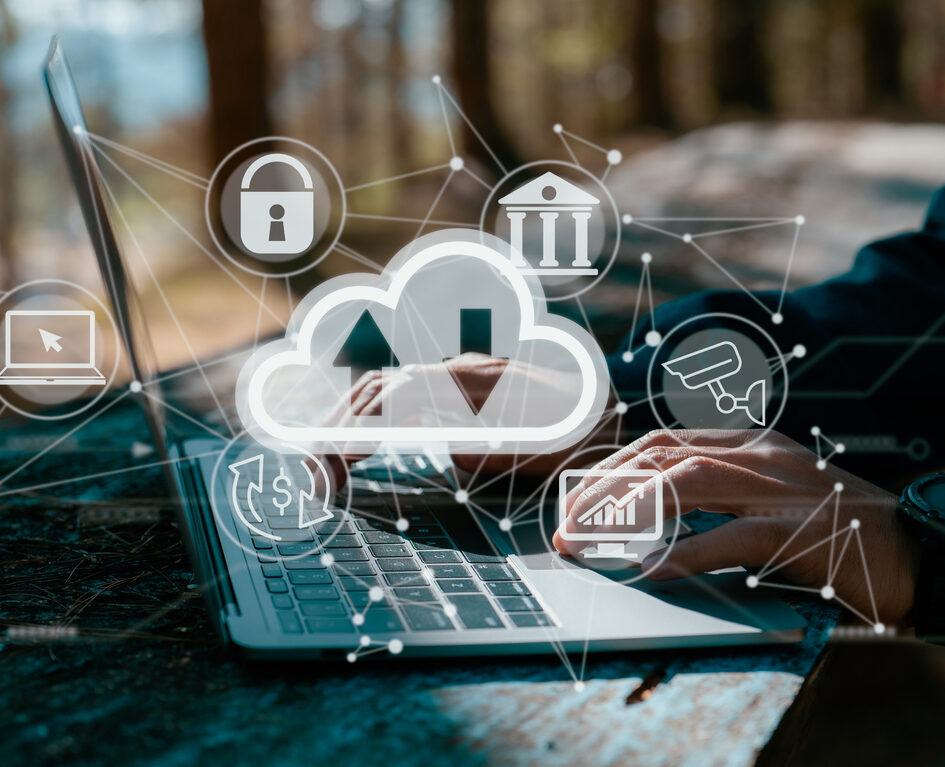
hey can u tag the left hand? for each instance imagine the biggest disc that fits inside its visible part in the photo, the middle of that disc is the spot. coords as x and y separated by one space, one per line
784 516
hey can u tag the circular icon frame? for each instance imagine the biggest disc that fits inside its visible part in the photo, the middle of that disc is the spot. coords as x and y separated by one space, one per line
318 251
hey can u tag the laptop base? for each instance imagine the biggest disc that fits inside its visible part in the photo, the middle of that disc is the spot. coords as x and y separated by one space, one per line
83 377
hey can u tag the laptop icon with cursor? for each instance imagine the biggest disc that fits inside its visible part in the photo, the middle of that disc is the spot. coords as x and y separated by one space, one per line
50 348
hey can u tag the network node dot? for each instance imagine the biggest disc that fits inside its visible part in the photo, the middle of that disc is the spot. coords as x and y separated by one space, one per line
135 387
557 127
328 560
456 163
579 686
800 350
505 524
461 496
646 258
687 237
652 338
402 524
840 447
827 592
815 431
777 318
799 220
614 157
621 408
627 356
375 593
450 610
855 524
627 218
879 628
838 487
357 619
821 464
395 647
365 640
351 657
751 581
436 79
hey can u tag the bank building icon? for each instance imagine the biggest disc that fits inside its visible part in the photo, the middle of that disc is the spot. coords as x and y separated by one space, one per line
551 198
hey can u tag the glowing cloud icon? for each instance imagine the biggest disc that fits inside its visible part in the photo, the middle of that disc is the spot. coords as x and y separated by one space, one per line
552 392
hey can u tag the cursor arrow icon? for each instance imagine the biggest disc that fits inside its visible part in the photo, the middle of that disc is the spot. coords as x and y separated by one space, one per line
50 340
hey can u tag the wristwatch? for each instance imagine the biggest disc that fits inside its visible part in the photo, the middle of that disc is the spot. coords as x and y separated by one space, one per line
922 512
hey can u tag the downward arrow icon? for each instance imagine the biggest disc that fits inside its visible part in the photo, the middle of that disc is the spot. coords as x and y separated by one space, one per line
50 340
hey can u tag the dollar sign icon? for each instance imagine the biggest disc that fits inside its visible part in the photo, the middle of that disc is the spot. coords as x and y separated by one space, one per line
280 486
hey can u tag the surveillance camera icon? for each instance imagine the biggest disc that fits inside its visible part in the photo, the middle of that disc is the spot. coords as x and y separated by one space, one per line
708 367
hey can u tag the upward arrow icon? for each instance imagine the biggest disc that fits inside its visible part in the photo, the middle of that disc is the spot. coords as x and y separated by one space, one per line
366 346
50 340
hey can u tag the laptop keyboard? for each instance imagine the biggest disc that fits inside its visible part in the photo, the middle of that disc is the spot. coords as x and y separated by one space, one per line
431 577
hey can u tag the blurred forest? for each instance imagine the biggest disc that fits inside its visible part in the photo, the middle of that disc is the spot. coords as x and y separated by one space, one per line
188 80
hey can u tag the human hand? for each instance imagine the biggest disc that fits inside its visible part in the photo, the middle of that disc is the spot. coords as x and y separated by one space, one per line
785 517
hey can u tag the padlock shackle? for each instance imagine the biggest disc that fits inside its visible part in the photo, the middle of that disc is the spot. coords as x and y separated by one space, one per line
267 159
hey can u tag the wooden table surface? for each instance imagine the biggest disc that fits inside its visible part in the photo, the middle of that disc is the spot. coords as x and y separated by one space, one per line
108 658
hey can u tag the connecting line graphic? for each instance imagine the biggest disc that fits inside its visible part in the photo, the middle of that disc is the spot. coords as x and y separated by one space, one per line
827 591
613 156
744 225
825 447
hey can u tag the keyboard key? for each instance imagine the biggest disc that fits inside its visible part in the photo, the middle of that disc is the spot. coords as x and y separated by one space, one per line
375 524
495 573
328 626
349 583
340 542
519 604
397 565
431 544
309 577
288 522
457 585
276 586
381 621
298 549
379 536
425 531
361 599
406 579
261 543
475 612
271 570
322 609
508 589
349 555
415 594
304 563
427 618
354 568
390 550
418 516
332 527
475 557
290 622
528 620
315 593
449 571
296 535
439 556
282 602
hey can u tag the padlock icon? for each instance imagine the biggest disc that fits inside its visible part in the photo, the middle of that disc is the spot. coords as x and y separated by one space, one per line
277 222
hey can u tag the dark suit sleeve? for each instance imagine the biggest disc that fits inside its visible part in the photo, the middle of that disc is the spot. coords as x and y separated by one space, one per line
874 339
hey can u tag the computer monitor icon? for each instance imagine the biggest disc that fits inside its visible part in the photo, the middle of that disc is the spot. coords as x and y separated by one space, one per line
625 515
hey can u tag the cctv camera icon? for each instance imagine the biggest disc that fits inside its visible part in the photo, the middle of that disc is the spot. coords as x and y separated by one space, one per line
709 367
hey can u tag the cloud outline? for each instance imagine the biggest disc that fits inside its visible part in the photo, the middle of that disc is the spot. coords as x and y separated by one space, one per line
534 325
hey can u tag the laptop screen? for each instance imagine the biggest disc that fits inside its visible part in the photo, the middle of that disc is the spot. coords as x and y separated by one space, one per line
50 339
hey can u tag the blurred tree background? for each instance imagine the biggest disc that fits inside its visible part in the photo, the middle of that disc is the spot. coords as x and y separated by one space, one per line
188 80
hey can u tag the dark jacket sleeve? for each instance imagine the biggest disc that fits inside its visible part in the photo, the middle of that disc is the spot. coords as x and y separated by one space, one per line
875 343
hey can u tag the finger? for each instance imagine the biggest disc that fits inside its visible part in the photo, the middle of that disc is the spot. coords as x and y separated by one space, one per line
751 542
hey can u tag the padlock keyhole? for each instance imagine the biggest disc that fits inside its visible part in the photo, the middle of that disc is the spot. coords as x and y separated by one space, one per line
276 226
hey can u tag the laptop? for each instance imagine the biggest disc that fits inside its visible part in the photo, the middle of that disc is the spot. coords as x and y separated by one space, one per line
49 348
400 568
